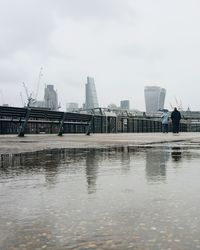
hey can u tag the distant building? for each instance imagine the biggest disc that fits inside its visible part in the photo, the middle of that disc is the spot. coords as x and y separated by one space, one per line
154 98
91 100
50 98
72 107
125 104
83 106
37 104
112 106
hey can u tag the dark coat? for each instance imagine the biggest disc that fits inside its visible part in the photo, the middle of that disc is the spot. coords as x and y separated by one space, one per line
175 116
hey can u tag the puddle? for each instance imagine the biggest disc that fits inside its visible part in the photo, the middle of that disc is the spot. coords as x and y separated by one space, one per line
108 198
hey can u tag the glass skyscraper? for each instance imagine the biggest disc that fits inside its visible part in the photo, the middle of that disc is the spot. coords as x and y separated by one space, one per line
154 98
91 100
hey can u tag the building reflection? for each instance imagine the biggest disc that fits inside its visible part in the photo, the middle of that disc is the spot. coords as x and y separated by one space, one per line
41 162
97 157
51 163
92 169
156 161
47 162
125 159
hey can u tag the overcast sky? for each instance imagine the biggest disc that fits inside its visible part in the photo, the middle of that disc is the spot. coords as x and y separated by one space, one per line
124 44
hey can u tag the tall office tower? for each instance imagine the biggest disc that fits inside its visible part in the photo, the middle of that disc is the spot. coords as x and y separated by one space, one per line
72 107
50 98
90 94
125 104
154 98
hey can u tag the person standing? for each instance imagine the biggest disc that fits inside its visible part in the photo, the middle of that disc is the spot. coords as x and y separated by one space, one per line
176 117
165 121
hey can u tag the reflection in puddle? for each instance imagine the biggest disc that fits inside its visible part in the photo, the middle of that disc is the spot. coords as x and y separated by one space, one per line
100 199
176 153
156 162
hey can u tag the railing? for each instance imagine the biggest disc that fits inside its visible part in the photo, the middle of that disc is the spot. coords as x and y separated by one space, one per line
19 121
26 120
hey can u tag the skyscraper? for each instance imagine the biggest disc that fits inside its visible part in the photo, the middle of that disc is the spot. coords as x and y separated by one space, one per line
125 104
72 107
154 98
50 98
90 94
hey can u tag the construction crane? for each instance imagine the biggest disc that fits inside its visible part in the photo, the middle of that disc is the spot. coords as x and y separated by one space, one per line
181 107
172 107
22 99
178 104
30 100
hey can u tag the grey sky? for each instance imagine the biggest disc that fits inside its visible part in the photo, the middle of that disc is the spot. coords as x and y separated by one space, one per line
124 44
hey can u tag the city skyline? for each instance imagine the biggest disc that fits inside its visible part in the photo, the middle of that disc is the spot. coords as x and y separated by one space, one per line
125 45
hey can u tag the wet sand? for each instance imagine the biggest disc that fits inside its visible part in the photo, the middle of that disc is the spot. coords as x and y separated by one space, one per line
31 143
